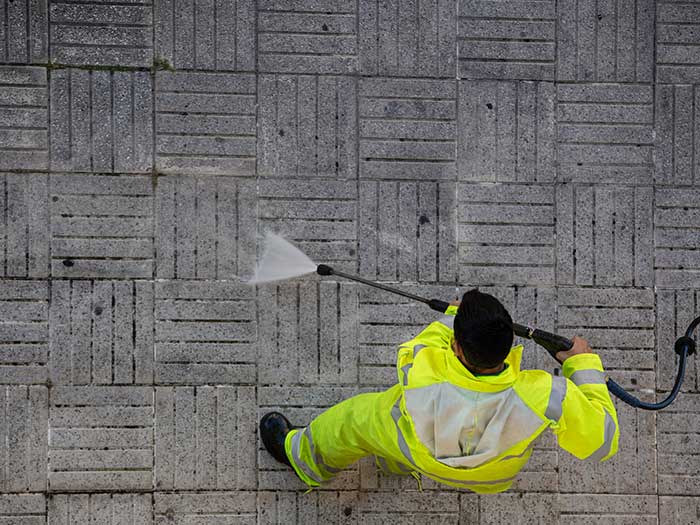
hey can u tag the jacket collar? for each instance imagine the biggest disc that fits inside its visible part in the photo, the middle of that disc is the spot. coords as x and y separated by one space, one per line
459 374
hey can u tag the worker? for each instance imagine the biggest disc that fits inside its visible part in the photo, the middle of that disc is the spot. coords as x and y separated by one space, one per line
462 412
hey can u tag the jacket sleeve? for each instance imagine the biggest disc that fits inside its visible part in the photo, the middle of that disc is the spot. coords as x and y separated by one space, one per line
588 426
438 333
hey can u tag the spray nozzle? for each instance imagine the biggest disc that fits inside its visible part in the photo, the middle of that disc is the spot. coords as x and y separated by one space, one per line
323 269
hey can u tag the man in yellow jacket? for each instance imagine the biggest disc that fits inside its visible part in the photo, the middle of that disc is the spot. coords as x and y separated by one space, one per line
462 412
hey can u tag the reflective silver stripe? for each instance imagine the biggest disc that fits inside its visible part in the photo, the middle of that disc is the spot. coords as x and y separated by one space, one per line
405 370
448 321
588 377
494 482
556 398
417 348
608 435
296 445
317 457
383 464
403 447
403 468
516 456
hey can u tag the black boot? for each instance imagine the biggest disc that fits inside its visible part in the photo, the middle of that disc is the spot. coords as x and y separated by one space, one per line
274 427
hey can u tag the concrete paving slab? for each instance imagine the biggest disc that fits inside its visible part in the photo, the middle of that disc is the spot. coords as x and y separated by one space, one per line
680 510
307 126
23 439
407 39
27 509
307 37
315 348
93 124
26 34
675 146
101 333
609 230
110 509
318 216
205 332
676 217
205 229
205 438
206 36
101 226
506 131
24 222
24 331
602 508
506 234
24 114
678 430
403 230
602 43
499 56
205 123
676 58
407 129
78 36
100 439
674 312
605 133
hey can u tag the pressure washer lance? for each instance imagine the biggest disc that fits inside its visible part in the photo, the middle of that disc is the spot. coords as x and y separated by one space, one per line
553 343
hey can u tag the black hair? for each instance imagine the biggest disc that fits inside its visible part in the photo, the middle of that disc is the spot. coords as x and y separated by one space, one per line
484 329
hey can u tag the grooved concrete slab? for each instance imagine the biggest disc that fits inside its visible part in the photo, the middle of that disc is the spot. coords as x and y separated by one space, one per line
498 39
24 331
210 35
407 39
307 126
79 37
24 117
205 123
23 508
506 131
23 438
307 37
110 509
605 133
407 129
101 120
101 333
101 226
606 42
546 152
491 216
101 438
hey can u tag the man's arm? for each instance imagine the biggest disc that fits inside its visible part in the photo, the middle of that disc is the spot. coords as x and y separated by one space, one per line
588 424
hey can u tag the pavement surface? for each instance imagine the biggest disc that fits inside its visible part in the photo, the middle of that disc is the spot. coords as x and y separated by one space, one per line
547 152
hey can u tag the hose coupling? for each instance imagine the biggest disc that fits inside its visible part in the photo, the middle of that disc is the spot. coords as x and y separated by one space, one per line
686 344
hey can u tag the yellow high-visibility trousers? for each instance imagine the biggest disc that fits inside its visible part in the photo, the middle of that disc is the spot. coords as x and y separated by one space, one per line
355 428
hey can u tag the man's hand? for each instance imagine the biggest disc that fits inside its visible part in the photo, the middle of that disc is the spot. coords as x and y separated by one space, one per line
581 346
456 303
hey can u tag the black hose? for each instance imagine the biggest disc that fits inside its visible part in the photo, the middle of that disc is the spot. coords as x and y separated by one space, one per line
554 343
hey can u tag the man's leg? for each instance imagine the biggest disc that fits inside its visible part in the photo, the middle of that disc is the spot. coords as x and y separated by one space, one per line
357 427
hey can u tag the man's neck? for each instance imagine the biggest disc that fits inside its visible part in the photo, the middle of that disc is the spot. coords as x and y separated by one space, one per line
485 371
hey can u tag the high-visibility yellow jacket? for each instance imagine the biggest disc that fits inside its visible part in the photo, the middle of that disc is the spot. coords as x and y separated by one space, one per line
477 432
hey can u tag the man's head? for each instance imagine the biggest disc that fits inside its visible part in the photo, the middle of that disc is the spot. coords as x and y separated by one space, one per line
483 330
